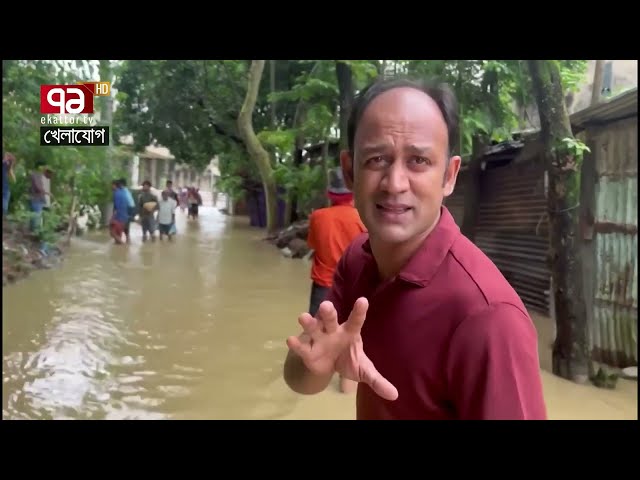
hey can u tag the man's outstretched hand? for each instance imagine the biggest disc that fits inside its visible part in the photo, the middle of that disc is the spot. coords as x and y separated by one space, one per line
326 347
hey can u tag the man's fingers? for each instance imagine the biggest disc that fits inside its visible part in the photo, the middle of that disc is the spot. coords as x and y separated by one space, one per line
302 349
310 325
379 384
358 314
328 316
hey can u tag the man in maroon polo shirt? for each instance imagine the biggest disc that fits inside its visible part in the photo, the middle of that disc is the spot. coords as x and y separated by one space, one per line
446 336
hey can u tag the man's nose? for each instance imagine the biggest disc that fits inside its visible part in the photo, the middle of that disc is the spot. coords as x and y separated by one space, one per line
396 179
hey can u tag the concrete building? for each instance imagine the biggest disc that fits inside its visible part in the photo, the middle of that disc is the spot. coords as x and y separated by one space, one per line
157 164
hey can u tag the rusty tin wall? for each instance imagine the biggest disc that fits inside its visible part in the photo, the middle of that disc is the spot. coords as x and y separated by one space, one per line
614 322
513 229
455 201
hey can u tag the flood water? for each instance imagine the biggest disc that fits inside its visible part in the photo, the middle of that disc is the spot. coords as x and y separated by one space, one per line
193 329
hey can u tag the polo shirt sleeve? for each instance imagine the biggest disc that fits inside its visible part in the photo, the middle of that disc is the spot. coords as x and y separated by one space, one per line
493 366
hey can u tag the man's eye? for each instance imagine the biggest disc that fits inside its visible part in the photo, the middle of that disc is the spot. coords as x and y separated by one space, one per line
420 161
377 161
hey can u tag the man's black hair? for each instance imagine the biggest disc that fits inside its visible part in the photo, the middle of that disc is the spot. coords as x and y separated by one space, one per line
123 182
440 92
146 182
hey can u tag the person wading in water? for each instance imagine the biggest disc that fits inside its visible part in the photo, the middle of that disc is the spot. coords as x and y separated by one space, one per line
331 230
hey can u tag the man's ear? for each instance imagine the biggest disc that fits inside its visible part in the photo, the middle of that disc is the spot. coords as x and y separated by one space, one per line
346 162
451 175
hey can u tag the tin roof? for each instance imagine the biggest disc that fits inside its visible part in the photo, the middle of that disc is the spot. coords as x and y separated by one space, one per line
619 107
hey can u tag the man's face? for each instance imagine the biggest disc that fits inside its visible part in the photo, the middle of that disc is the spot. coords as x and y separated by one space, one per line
146 187
399 173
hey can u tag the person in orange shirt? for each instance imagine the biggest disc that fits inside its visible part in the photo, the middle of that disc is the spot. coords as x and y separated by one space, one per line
331 230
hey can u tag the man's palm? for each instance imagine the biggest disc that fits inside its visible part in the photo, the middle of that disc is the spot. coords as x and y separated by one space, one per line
326 347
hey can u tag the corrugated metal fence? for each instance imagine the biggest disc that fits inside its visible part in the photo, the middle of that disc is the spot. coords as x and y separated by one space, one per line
512 226
614 322
512 229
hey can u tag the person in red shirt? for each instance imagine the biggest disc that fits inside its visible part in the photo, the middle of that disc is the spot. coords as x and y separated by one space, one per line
331 230
445 335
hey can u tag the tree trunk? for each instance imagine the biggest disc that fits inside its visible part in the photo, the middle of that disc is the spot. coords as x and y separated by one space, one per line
346 94
72 221
571 357
72 213
257 152
598 78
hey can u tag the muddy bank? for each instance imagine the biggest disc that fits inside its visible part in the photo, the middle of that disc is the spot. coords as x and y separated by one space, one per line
292 241
23 252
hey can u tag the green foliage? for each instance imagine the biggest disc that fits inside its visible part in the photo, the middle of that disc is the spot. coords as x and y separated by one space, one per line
232 185
304 183
483 89
573 74
363 71
317 123
307 88
573 147
488 91
188 106
236 171
281 140
191 107
51 221
81 166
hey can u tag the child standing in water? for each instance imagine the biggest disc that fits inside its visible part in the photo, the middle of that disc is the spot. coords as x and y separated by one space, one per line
166 215
183 199
195 200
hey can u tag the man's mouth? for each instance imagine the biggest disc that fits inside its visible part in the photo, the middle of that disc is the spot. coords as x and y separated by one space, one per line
393 208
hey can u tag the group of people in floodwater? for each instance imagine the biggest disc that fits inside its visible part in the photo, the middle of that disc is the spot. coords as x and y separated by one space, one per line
152 211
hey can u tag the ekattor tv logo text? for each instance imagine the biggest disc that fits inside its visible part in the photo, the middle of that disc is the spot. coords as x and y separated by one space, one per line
71 99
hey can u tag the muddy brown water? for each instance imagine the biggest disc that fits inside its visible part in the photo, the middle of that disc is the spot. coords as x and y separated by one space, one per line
194 329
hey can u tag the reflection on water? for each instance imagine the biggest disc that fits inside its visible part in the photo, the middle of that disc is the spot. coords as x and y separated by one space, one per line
190 329
184 330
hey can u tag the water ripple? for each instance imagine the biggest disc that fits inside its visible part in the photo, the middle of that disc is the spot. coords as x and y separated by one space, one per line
153 331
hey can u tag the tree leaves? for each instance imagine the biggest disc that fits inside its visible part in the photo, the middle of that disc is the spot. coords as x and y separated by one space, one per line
191 106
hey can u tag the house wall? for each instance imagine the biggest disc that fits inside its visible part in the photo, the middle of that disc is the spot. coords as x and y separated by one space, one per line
512 229
611 253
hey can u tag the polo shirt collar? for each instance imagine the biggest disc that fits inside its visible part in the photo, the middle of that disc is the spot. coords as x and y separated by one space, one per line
423 265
